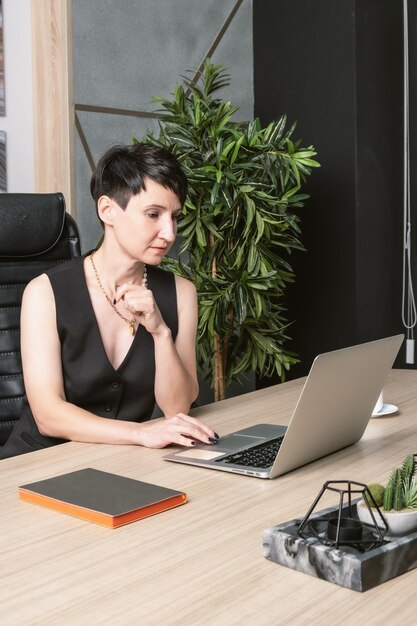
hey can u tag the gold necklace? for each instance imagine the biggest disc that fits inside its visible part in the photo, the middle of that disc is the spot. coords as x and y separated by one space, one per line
132 321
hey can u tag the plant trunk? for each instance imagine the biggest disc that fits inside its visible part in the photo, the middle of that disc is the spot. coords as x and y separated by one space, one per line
218 369
218 346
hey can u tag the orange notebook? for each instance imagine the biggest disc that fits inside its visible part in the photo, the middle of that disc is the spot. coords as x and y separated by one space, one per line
100 497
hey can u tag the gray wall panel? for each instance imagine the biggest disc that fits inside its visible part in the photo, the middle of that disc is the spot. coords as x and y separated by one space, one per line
125 52
235 51
85 211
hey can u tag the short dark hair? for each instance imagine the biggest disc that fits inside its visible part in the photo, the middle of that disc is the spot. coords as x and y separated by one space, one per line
121 172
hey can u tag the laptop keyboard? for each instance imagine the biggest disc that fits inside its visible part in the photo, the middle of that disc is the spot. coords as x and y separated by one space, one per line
261 456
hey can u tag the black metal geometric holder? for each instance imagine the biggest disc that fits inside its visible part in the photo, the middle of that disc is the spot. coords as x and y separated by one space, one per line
345 528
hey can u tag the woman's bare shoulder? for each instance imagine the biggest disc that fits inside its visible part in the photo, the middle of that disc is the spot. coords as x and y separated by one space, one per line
184 285
186 297
38 288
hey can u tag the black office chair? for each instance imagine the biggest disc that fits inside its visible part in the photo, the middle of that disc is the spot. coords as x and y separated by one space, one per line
35 234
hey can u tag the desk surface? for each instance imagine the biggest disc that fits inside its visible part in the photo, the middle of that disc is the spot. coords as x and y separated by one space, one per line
201 563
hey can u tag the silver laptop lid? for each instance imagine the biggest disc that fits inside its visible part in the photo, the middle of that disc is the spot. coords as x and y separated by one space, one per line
336 402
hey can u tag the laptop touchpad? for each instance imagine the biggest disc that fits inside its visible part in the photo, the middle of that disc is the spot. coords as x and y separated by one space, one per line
235 442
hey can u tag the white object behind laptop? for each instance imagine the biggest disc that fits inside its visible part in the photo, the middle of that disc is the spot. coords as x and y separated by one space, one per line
332 412
382 408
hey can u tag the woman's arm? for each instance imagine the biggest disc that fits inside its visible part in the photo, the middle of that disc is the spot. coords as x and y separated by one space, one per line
176 385
55 417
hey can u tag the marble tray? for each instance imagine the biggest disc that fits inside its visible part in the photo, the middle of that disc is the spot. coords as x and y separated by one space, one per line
344 566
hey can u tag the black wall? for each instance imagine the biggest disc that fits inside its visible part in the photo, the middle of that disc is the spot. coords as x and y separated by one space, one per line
336 67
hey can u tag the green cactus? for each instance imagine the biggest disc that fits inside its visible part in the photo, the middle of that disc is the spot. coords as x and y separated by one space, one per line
388 497
391 489
398 503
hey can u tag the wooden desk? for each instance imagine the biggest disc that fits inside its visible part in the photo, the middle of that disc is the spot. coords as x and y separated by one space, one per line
201 563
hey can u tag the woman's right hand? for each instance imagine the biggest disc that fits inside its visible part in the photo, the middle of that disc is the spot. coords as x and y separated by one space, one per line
180 429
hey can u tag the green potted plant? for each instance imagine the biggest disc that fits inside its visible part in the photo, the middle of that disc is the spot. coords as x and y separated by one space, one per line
239 226
398 499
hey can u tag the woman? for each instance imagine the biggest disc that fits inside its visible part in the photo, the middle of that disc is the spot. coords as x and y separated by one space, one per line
106 335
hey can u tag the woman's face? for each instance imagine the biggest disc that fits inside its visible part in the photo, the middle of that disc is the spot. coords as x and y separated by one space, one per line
147 228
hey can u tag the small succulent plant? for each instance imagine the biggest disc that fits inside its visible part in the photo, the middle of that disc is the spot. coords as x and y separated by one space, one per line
401 490
410 495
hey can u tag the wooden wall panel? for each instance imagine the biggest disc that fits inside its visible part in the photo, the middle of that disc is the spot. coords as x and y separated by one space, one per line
53 100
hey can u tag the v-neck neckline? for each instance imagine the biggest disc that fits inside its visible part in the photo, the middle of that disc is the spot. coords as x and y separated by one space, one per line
139 330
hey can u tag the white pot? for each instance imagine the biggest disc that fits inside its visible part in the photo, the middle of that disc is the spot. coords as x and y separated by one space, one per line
399 522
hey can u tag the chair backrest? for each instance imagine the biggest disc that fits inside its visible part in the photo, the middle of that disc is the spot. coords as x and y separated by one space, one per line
35 234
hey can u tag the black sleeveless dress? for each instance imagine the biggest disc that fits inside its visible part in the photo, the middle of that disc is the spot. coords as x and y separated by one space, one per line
90 380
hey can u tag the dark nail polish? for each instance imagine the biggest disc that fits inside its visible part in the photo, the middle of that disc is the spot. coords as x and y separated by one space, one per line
217 436
114 301
212 440
193 443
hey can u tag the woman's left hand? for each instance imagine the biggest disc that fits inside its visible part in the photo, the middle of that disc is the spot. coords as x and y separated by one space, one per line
179 429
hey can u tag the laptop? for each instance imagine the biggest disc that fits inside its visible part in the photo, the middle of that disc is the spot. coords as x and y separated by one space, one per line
332 412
